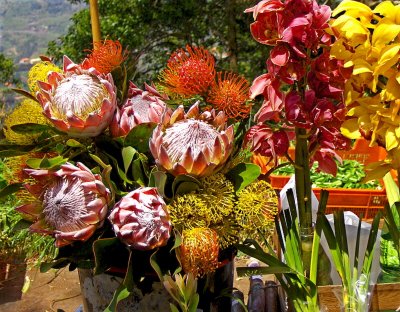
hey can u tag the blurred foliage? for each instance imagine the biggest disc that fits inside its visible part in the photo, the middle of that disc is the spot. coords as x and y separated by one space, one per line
152 29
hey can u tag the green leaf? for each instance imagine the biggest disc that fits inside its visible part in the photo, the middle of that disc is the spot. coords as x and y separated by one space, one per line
173 308
100 247
155 266
248 271
30 128
139 137
243 174
177 241
59 263
74 143
98 160
21 225
11 153
185 184
25 93
127 155
10 189
159 179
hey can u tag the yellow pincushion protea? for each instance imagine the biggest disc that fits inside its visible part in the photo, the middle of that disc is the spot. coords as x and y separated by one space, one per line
211 206
199 251
256 208
28 111
39 72
368 41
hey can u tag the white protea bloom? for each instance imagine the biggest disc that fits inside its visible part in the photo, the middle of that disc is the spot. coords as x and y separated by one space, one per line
140 107
79 102
70 205
193 143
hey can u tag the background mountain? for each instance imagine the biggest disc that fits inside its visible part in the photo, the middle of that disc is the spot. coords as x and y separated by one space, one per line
26 26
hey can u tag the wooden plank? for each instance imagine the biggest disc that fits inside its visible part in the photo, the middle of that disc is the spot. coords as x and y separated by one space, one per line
385 297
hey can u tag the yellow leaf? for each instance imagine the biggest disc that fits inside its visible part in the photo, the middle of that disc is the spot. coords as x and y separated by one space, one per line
350 129
376 171
391 140
384 33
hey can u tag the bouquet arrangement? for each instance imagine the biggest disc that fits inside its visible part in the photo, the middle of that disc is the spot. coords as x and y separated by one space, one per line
123 177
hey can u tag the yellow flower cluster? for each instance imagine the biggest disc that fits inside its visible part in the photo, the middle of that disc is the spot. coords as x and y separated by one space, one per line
368 41
39 72
232 215
28 111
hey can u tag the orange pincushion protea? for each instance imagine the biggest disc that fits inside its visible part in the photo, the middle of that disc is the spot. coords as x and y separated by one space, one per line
70 205
189 72
105 56
192 143
199 251
229 93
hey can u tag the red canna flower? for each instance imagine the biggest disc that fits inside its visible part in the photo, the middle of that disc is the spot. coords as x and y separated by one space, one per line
229 93
105 57
189 72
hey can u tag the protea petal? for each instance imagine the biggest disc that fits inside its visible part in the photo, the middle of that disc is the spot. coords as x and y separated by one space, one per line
183 145
141 222
71 100
73 203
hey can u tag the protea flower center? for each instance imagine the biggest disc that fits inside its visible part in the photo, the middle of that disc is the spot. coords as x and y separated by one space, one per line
141 107
189 133
65 203
79 95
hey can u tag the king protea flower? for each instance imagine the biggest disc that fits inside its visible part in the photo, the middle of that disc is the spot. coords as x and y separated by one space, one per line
192 143
140 219
70 205
140 107
79 102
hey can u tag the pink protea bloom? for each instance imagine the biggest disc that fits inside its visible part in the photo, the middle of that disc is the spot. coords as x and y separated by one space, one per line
140 219
194 143
71 203
79 102
140 107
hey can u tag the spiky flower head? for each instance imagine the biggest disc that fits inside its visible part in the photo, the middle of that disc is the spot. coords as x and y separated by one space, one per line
29 111
256 208
140 219
192 143
199 251
230 93
189 72
79 102
70 205
39 72
105 56
140 107
208 206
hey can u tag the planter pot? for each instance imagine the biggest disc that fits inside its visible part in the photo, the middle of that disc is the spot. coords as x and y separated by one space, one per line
98 291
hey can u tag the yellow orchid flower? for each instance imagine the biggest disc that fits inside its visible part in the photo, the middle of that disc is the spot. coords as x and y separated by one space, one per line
354 32
389 10
384 33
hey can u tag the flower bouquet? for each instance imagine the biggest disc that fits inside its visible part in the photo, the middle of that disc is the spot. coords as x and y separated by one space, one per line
138 183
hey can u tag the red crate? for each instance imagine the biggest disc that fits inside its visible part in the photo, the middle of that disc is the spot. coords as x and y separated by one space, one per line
365 202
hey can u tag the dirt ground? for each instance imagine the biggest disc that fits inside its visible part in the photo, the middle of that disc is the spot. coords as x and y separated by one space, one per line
59 291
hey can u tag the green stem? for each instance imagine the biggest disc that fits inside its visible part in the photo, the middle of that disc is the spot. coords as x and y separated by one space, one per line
302 177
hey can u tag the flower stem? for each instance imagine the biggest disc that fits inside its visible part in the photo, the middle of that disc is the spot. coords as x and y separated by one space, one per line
302 177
